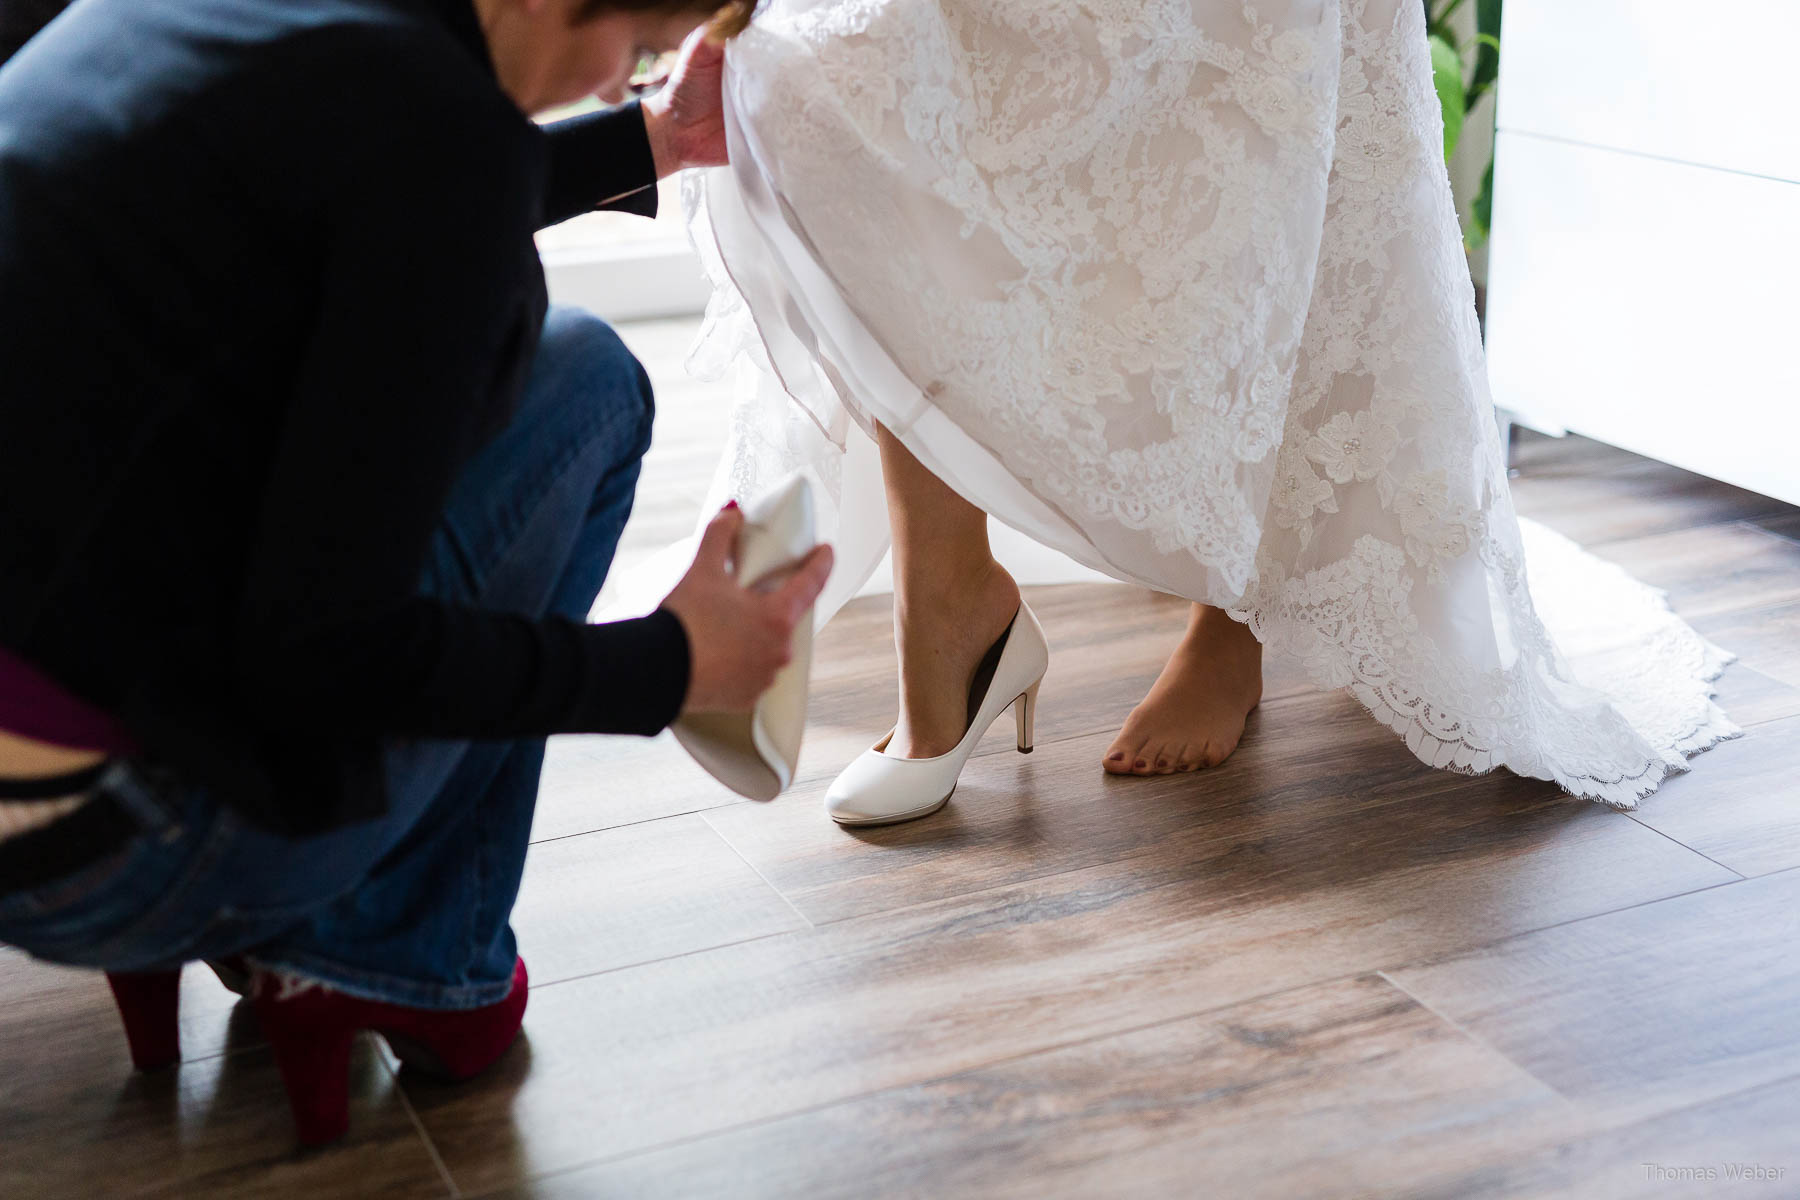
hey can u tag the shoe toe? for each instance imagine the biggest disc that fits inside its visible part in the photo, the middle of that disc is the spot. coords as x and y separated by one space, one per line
855 796
876 789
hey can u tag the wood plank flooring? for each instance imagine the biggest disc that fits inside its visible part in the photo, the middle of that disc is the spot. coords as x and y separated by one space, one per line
1188 1104
1319 970
1643 1010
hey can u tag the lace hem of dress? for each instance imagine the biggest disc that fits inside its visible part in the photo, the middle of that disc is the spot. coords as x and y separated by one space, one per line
1622 793
1224 331
1620 639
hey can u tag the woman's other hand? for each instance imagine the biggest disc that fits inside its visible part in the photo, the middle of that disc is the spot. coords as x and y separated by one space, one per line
738 638
686 117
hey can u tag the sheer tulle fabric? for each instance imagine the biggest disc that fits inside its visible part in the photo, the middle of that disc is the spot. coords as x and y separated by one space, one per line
1175 287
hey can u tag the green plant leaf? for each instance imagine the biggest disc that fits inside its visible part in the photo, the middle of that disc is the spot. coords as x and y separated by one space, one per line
1435 23
1447 77
1481 212
1446 10
1487 36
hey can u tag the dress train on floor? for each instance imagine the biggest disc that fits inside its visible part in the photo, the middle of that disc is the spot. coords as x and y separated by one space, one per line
1177 289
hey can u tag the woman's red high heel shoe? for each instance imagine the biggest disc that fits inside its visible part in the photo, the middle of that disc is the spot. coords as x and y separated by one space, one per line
148 1003
311 1029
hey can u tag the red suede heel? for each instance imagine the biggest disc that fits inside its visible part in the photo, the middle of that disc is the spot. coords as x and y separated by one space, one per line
148 1004
311 1029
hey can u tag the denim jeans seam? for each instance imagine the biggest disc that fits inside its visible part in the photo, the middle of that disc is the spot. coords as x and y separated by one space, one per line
385 989
206 858
478 904
582 440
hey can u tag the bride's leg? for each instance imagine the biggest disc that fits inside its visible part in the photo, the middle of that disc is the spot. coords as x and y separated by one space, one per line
1194 714
952 601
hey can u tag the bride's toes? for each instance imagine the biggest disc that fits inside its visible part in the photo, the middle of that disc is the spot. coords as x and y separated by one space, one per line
1183 758
1206 738
1152 758
1124 756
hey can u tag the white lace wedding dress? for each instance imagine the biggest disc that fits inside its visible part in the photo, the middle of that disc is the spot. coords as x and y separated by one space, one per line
1175 287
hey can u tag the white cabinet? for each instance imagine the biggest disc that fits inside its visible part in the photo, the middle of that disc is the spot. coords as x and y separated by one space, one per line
1644 275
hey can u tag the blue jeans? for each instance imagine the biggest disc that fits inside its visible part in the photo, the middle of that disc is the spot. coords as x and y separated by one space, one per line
413 907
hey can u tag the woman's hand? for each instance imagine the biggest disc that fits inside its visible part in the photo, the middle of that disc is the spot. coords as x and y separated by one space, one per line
686 118
738 638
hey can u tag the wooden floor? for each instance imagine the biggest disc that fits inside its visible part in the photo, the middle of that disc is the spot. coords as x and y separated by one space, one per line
1319 970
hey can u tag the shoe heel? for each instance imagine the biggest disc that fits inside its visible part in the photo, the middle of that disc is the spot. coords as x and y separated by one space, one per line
148 1006
1025 714
312 1051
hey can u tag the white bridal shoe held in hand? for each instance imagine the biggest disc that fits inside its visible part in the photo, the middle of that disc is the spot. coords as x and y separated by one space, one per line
754 753
878 789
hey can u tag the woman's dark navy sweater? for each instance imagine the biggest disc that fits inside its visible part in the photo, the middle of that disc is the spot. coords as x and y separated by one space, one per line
267 281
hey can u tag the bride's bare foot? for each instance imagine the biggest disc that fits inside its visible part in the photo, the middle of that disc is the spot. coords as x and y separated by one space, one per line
942 628
1194 714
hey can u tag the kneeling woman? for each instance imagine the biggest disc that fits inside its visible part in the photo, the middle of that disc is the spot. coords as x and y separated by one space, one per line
307 496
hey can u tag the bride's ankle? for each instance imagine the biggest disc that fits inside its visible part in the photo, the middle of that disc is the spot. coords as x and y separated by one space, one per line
1216 625
956 597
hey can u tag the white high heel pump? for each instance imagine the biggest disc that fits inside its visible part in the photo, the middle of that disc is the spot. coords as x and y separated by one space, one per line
879 790
755 753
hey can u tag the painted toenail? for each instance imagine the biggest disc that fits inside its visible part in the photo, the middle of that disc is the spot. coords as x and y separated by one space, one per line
1116 756
1141 764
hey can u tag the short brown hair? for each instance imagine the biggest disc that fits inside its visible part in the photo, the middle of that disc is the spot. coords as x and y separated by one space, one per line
728 19
732 18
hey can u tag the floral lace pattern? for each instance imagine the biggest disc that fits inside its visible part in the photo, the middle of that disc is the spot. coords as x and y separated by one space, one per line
1178 285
